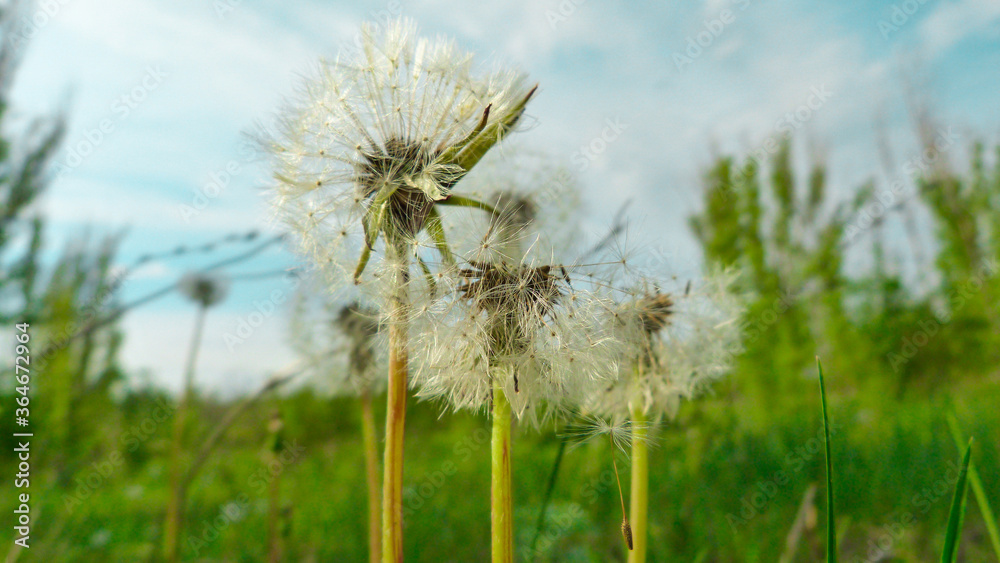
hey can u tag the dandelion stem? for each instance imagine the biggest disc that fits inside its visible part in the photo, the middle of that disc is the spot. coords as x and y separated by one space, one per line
371 469
174 521
639 500
395 416
500 490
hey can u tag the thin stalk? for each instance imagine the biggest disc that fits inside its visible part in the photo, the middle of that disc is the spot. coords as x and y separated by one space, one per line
639 500
174 522
371 469
989 520
540 525
395 415
626 527
275 549
831 533
501 505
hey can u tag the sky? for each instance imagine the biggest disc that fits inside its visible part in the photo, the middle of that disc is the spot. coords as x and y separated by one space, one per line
637 98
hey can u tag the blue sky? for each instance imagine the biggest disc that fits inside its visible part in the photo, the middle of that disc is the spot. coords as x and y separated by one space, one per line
175 84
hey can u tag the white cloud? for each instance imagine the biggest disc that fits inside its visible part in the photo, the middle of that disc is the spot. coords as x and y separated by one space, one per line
601 61
951 22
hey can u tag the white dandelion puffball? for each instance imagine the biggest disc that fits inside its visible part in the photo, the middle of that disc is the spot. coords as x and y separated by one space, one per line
524 327
203 288
337 342
377 137
535 214
674 347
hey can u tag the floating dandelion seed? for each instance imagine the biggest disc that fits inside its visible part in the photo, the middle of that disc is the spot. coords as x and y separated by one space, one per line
622 432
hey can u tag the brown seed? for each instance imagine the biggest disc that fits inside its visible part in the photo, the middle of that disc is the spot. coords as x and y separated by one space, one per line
627 533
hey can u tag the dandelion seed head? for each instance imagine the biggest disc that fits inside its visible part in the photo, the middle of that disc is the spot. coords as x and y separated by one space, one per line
510 324
376 137
204 288
674 346
339 343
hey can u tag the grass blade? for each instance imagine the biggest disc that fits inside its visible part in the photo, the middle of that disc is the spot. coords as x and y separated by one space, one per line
831 532
957 509
976 484
540 525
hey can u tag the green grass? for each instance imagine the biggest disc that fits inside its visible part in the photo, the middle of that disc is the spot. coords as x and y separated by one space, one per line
957 513
703 468
831 531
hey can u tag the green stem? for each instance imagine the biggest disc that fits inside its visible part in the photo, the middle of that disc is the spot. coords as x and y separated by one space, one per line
174 522
500 489
639 499
275 548
371 469
395 416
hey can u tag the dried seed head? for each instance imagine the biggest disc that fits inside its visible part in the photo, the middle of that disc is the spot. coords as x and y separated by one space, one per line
520 325
358 322
378 136
339 344
504 290
654 311
397 164
360 325
203 288
627 533
675 345
513 211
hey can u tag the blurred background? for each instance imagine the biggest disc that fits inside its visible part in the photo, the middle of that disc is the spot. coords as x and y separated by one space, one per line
845 158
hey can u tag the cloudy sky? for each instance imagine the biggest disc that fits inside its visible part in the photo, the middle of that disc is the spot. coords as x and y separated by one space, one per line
159 93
